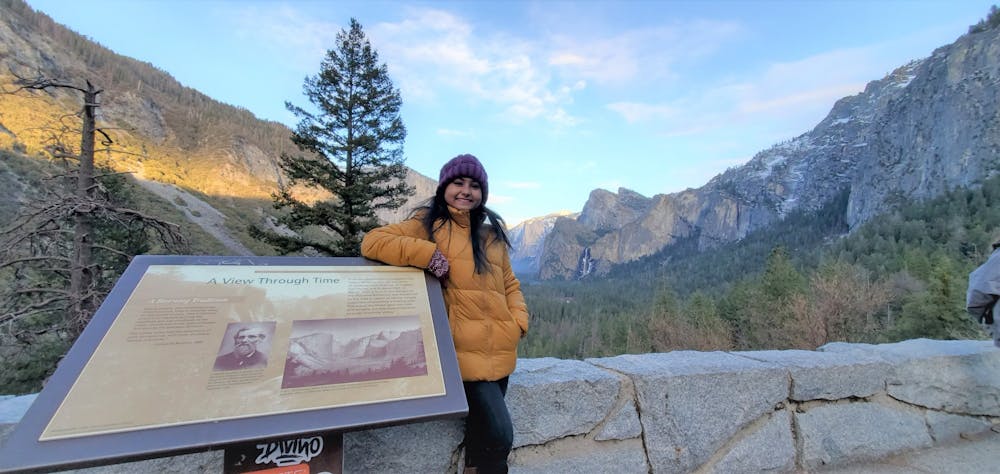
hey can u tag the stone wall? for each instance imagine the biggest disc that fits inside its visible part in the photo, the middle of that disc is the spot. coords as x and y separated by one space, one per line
685 411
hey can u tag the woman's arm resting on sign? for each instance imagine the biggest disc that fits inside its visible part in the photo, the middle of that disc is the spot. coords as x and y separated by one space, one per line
403 245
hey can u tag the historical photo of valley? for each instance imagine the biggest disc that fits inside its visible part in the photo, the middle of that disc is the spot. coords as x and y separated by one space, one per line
335 351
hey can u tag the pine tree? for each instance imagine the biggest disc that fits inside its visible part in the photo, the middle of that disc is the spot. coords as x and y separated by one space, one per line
781 279
352 148
939 311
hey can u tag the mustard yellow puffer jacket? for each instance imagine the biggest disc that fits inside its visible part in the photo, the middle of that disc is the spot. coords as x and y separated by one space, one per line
486 311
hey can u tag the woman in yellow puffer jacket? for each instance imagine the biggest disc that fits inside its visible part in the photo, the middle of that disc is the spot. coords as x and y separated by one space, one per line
450 237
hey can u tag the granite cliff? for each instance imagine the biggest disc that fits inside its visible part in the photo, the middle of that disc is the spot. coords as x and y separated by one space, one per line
527 240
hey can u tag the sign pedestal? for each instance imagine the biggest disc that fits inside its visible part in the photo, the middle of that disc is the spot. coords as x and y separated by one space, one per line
321 454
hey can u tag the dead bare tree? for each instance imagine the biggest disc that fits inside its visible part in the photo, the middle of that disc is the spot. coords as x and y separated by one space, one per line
73 237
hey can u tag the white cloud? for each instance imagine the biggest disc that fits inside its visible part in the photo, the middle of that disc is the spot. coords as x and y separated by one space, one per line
639 112
447 132
439 56
523 184
568 59
436 55
576 167
684 131
642 54
302 39
495 199
561 118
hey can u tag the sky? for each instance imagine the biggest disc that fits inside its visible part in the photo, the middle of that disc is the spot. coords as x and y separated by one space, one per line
556 98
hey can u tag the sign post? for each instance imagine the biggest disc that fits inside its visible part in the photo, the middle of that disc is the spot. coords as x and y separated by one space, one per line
194 353
312 455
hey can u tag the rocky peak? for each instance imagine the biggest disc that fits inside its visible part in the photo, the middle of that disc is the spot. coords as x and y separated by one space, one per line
606 211
527 240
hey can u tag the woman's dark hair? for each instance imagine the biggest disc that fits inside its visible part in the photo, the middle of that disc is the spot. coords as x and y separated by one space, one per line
435 214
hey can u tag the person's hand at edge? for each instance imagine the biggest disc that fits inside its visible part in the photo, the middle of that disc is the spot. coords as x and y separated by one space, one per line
438 265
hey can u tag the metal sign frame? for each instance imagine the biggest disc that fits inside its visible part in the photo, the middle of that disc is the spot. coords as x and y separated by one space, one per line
23 452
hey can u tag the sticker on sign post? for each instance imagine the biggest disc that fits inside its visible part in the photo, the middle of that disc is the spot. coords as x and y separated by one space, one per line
321 454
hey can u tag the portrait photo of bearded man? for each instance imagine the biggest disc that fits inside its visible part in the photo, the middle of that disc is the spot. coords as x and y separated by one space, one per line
250 343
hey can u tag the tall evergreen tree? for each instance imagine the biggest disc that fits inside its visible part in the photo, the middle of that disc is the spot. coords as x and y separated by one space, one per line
353 149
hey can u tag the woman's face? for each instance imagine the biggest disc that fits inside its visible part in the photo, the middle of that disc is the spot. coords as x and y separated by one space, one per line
463 193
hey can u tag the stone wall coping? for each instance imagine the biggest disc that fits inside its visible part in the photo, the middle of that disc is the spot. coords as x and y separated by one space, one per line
690 411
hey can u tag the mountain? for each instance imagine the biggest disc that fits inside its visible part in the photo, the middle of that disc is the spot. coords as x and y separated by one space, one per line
928 127
527 240
210 163
322 352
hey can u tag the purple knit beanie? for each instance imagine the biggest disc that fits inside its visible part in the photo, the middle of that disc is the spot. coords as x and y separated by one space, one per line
467 166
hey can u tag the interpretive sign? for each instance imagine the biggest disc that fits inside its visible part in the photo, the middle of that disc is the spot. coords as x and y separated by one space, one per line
191 353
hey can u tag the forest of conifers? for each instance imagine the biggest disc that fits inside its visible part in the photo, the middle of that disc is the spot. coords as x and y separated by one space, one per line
899 276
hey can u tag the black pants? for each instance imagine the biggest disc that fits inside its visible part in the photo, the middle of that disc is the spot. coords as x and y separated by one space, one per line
489 433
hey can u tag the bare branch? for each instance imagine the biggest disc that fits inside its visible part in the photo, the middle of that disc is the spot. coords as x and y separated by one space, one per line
35 308
114 173
114 251
107 139
28 291
44 258
41 82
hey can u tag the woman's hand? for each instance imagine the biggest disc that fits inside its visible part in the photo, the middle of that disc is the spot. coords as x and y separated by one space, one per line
439 265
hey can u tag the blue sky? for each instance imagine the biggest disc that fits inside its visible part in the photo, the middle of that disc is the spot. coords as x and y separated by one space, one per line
556 98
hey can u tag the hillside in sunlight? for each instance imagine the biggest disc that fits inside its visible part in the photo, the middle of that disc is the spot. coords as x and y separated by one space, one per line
214 164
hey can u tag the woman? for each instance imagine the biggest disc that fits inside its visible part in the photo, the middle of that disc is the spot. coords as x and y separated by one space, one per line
459 240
